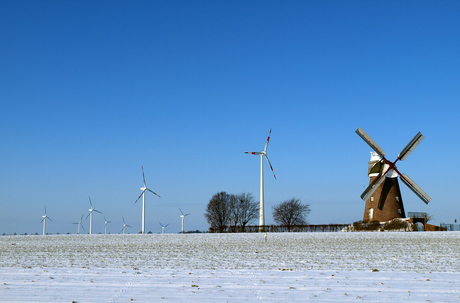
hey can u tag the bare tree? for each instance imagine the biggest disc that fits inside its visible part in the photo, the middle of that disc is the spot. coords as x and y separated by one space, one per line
291 212
248 209
218 211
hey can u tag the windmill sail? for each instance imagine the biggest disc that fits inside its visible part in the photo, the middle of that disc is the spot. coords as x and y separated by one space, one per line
410 146
415 188
370 142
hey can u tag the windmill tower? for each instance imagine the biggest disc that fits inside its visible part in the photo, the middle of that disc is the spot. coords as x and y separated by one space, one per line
383 196
387 194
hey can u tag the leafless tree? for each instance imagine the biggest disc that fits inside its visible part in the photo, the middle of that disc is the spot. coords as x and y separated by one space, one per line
291 212
218 211
246 209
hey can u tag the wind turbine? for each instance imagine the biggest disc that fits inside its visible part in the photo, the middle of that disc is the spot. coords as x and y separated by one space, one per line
79 224
143 200
90 215
163 227
44 221
183 216
124 226
262 154
105 229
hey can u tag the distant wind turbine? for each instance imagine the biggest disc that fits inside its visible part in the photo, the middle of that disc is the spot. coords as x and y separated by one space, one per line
79 225
44 221
124 226
90 215
262 154
105 228
183 216
163 227
143 200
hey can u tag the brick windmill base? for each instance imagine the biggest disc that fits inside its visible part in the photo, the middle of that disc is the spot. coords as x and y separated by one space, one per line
388 195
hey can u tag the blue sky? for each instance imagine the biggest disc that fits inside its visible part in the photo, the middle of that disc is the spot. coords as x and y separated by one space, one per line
93 90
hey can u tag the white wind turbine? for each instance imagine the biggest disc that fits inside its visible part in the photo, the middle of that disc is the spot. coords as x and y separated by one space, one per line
163 227
143 200
105 228
90 215
262 154
79 224
44 221
183 216
124 226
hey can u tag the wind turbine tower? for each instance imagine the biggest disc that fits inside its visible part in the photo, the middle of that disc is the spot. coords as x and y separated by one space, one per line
105 228
79 224
143 200
262 154
90 215
183 217
44 221
124 225
163 227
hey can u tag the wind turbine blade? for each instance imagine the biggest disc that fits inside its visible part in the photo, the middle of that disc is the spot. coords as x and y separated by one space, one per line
161 224
82 227
143 176
90 202
411 146
254 153
181 211
81 217
49 218
88 215
186 215
373 187
415 188
268 139
123 219
140 196
370 142
97 211
153 192
270 166
42 220
166 225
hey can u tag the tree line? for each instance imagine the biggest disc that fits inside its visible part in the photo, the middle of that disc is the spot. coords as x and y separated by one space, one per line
238 210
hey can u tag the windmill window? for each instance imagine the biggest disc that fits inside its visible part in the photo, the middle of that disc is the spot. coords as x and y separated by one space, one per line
399 210
371 213
372 199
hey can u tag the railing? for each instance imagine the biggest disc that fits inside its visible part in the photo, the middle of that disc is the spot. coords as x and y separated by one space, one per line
450 227
420 215
279 228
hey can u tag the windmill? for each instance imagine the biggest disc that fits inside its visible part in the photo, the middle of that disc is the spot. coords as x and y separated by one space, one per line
105 228
183 217
383 196
143 200
163 227
262 154
79 225
44 221
124 226
90 215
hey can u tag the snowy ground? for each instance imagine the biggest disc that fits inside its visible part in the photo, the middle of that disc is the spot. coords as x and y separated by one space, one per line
326 267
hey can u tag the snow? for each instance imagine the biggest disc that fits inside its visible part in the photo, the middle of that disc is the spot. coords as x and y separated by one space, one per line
332 267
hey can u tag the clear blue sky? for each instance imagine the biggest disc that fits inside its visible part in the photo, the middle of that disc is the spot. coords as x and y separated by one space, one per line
92 90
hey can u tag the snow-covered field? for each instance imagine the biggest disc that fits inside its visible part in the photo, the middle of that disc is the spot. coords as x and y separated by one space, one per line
326 267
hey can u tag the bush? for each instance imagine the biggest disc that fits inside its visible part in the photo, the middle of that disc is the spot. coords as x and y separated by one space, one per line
366 226
395 224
